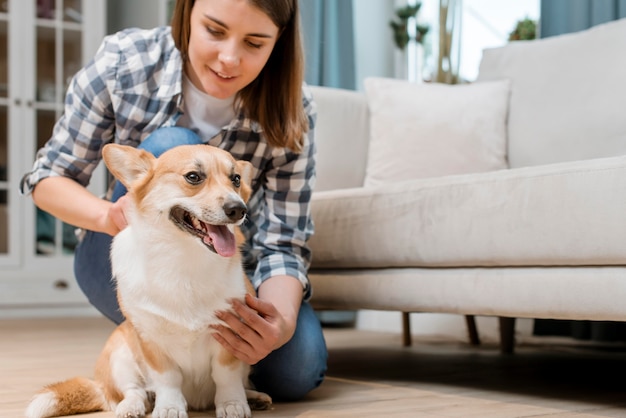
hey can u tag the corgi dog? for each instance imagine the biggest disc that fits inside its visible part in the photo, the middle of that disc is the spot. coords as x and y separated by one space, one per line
175 265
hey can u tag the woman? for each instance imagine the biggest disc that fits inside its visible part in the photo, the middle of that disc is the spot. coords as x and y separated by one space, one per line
228 73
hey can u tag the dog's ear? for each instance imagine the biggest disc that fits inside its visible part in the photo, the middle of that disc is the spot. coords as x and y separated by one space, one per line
244 169
127 163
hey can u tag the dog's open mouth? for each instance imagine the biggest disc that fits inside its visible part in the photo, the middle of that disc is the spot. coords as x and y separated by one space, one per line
217 238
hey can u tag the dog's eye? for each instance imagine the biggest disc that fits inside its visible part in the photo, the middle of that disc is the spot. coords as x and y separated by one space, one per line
236 179
194 178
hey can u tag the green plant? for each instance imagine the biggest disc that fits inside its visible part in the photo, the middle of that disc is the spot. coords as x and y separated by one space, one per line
525 30
400 26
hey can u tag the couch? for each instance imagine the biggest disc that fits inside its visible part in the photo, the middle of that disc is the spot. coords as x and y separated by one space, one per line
504 197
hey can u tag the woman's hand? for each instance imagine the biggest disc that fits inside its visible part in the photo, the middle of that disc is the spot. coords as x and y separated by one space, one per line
255 329
261 325
115 219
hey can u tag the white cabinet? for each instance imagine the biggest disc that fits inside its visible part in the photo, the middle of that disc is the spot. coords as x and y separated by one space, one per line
42 43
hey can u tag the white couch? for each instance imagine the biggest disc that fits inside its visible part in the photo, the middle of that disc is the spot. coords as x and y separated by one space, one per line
527 223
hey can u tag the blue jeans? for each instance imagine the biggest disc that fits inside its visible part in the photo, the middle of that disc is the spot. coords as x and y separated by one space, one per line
286 374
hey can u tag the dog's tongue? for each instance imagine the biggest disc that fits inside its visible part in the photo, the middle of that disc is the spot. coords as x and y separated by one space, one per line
222 240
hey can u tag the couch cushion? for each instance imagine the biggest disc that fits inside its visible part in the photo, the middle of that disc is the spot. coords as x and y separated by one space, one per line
555 215
568 95
429 130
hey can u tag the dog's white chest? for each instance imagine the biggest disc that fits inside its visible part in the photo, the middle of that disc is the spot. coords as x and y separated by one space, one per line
173 282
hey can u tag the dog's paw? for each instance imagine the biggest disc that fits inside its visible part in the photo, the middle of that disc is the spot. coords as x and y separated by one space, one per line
130 408
169 404
233 409
258 401
165 412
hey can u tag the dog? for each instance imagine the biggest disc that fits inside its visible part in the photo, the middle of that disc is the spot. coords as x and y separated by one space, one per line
175 265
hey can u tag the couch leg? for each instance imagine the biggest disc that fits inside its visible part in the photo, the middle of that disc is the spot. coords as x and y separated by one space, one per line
406 329
472 330
470 321
507 335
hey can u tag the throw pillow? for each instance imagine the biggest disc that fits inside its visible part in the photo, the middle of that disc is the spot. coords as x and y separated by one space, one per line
421 130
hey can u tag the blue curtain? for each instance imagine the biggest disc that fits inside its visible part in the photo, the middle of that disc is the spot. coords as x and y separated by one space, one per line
328 42
565 16
560 17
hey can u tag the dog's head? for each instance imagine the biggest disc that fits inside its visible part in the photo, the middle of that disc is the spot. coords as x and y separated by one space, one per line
201 189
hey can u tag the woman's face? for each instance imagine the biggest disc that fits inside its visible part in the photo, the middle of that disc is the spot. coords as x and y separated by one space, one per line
229 44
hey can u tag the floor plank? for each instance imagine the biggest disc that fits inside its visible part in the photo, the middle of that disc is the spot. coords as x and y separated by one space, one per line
370 374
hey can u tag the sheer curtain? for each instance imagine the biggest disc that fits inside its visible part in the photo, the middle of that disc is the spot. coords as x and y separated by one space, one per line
328 32
560 17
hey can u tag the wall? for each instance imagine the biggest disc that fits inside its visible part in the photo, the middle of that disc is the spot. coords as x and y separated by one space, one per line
373 40
134 13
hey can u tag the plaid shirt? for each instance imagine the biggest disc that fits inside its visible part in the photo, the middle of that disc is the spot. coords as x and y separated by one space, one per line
133 86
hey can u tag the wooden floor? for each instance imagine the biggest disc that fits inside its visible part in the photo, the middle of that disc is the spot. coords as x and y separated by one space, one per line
370 374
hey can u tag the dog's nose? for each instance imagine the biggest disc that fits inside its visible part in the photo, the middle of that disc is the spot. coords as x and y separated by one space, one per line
235 210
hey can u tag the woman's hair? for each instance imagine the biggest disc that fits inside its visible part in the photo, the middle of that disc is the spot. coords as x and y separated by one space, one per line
274 98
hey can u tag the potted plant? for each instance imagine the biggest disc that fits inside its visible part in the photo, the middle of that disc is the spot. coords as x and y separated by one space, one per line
400 26
408 40
525 30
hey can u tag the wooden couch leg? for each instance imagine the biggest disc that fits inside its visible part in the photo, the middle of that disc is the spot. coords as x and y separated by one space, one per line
406 329
470 321
507 335
472 330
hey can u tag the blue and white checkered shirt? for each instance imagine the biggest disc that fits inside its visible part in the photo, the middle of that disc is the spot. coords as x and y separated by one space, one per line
133 86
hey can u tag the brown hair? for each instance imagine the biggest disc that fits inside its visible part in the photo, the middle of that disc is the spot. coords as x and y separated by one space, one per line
274 98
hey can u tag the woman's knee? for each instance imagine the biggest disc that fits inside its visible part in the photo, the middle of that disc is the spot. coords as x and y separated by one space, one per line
92 269
294 370
288 382
164 139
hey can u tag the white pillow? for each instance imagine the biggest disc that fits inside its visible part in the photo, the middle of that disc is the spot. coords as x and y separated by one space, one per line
421 130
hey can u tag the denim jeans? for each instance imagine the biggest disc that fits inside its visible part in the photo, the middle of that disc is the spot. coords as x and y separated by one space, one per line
286 374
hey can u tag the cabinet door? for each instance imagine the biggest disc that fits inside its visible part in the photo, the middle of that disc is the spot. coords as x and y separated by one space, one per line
64 41
42 44
58 32
9 154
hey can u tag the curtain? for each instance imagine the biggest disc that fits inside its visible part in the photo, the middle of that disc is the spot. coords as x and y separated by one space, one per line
327 27
560 17
565 16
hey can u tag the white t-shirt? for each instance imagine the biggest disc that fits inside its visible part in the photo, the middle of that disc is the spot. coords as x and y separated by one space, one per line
203 112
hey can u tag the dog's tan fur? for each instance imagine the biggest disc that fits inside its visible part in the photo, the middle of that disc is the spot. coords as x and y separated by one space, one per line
171 279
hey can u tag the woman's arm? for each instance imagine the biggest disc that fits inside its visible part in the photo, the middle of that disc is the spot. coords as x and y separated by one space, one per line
69 201
285 293
262 324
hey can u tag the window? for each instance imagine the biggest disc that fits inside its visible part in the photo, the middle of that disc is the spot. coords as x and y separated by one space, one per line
482 24
486 24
